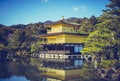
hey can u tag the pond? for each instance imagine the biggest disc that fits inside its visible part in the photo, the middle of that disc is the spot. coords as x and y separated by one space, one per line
23 69
27 69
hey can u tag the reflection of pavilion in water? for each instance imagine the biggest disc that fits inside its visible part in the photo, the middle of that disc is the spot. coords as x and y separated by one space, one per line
55 79
62 44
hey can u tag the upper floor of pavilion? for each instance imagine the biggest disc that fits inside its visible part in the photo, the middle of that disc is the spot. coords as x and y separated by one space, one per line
62 25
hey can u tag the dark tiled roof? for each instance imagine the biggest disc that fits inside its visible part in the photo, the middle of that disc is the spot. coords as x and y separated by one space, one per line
64 22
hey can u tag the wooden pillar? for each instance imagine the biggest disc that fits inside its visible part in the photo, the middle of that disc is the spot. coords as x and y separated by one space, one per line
64 48
55 64
69 48
56 48
64 59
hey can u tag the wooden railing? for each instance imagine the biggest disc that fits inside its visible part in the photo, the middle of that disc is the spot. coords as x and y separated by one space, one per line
56 52
55 60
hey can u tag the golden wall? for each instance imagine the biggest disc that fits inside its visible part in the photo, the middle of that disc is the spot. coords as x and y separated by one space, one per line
60 28
64 38
74 39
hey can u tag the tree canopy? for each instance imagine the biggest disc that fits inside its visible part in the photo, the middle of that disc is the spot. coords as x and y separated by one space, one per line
105 39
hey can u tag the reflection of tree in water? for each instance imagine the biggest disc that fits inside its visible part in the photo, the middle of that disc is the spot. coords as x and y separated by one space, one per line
30 71
4 73
24 69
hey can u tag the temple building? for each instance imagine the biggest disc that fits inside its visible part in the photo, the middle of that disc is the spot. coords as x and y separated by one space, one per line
62 45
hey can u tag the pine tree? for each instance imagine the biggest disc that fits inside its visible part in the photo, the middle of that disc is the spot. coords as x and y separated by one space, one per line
113 8
106 38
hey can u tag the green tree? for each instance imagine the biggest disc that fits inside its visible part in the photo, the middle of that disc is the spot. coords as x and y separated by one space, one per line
100 39
15 40
107 35
88 25
113 8
36 47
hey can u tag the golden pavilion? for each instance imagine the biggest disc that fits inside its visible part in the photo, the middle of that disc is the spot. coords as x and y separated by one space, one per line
61 55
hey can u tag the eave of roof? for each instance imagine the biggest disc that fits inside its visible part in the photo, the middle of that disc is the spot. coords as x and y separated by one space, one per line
63 22
54 34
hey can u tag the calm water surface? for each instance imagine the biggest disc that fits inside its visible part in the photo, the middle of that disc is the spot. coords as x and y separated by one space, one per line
20 70
15 78
25 69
